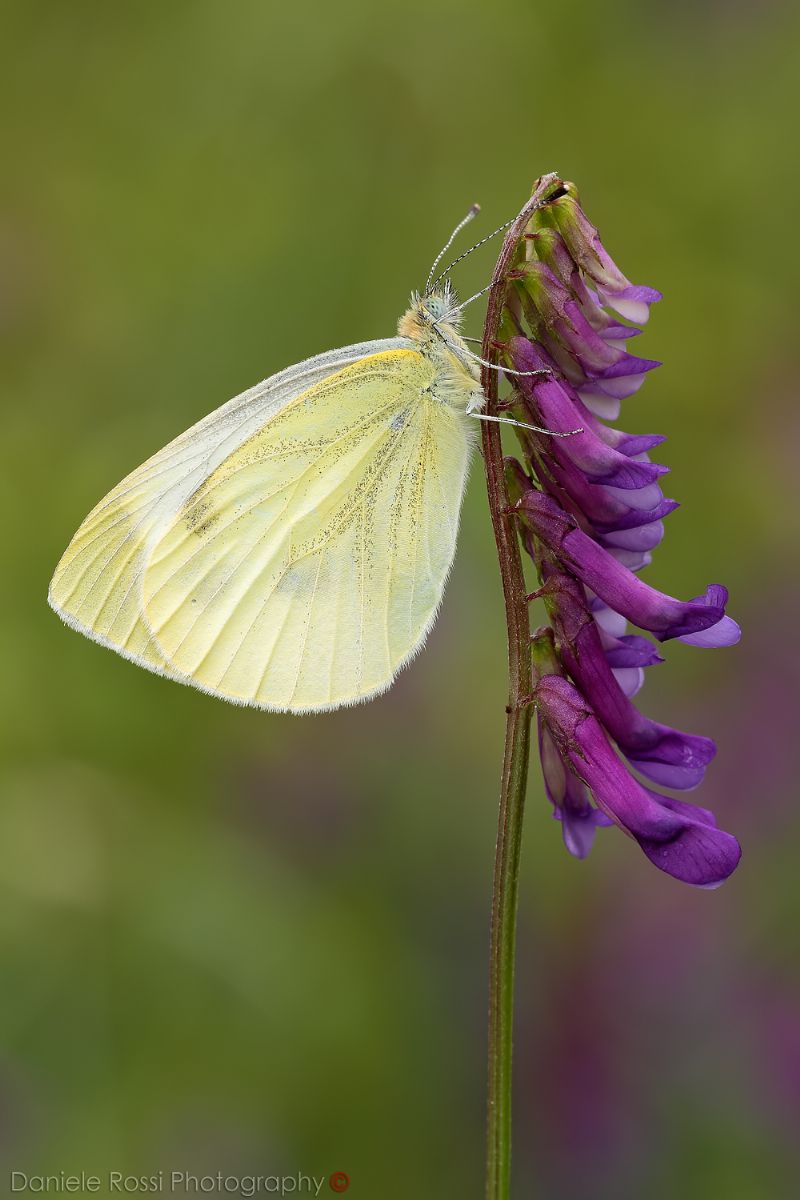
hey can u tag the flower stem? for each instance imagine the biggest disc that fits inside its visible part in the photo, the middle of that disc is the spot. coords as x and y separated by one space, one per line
517 744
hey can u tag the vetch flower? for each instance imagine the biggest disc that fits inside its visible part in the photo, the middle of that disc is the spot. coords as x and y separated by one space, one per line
678 838
591 512
623 591
586 503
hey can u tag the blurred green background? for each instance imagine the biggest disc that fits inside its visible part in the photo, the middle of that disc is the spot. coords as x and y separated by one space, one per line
257 944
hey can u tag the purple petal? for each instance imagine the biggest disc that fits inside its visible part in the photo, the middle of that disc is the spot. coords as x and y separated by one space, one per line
634 560
611 623
578 830
692 852
643 499
630 651
621 380
683 775
632 303
704 815
639 443
634 518
725 633
623 473
630 679
644 537
619 333
602 405
628 364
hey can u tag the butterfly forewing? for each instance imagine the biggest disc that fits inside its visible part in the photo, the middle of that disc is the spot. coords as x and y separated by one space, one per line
309 566
290 550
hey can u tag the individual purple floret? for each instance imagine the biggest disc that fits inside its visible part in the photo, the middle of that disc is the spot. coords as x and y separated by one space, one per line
678 838
603 572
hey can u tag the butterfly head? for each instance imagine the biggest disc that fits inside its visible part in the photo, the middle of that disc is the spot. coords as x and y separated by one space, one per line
431 312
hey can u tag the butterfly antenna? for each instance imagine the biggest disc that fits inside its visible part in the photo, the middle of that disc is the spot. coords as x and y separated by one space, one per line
473 212
461 257
556 195
477 295
524 425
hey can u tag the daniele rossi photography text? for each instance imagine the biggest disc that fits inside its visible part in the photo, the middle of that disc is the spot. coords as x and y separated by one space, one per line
177 1183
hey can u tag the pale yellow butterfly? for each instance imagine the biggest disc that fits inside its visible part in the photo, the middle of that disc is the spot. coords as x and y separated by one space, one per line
290 550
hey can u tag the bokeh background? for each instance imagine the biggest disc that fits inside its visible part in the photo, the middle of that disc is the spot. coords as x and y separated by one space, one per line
256 944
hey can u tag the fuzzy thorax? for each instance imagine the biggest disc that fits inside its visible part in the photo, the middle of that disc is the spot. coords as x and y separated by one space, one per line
433 323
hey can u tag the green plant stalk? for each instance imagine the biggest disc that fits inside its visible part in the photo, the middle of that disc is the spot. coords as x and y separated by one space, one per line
517 741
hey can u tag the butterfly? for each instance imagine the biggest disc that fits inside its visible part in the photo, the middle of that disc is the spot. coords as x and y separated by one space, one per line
291 549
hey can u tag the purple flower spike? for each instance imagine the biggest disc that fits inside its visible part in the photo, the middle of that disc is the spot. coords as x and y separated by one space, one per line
591 513
620 589
677 838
